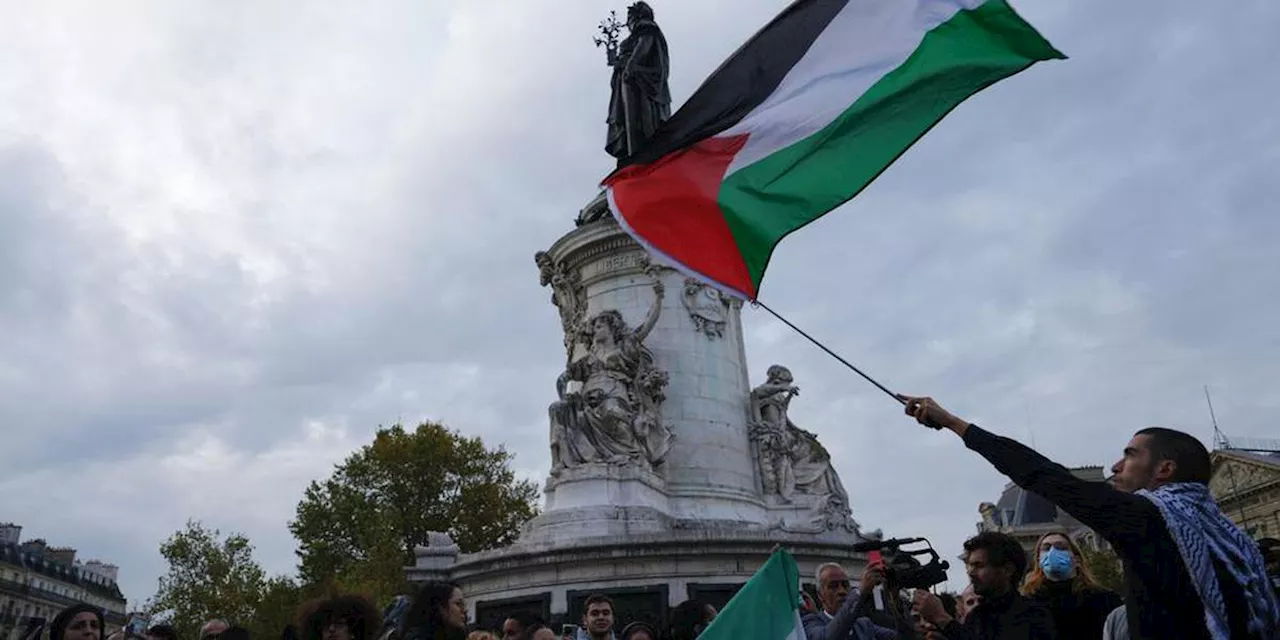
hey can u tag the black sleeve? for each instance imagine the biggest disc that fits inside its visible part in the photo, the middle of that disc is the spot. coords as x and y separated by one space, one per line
956 631
1124 519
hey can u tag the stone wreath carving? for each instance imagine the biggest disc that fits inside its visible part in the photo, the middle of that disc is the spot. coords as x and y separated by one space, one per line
707 307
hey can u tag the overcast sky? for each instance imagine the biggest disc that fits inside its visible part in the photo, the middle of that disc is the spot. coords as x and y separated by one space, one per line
235 237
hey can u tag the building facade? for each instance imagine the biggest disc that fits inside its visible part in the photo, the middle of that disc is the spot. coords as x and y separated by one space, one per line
37 581
1246 485
1027 516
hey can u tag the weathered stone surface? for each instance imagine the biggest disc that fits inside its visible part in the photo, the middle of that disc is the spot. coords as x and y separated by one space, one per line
795 469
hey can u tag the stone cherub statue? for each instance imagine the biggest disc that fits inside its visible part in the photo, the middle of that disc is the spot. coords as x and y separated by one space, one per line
791 459
615 417
641 97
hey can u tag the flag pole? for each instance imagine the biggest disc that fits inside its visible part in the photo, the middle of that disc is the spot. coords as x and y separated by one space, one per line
829 351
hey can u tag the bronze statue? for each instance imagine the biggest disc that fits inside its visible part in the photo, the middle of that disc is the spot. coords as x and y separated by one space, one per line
641 98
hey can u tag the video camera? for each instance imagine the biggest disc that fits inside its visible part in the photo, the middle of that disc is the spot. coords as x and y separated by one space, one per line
902 570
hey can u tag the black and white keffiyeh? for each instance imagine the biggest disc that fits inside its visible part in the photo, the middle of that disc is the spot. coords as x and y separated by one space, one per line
1204 535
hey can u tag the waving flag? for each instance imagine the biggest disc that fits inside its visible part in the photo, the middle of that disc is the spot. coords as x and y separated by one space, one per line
803 117
766 608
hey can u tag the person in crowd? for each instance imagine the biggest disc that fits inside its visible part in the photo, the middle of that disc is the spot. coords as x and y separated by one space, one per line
480 634
1189 571
949 604
690 618
843 614
1116 626
539 631
597 619
996 564
1271 555
78 622
344 617
162 632
213 628
966 602
1061 580
639 631
438 612
514 626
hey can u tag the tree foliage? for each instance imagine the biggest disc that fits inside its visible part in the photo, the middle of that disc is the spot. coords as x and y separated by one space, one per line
208 577
1106 568
358 528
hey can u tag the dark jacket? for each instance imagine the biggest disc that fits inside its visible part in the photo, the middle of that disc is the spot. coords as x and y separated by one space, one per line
1077 615
849 623
1162 602
1010 617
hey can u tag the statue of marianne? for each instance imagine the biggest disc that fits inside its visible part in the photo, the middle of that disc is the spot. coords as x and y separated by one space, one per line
641 98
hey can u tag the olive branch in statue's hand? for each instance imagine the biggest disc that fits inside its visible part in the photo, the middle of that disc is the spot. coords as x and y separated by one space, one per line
609 29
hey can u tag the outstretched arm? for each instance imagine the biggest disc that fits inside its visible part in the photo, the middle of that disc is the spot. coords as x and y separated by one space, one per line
651 320
1122 518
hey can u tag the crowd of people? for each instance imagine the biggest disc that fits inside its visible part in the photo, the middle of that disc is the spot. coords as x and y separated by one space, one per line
1189 572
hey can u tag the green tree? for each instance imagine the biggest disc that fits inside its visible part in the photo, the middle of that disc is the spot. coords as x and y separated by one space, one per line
359 527
1105 565
208 577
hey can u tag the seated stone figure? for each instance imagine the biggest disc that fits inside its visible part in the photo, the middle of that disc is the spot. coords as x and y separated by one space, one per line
792 461
614 418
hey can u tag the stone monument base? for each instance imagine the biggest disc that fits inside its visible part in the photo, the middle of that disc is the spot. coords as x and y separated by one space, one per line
646 575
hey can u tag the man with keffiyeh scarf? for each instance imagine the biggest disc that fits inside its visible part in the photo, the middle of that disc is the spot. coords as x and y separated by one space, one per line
1189 571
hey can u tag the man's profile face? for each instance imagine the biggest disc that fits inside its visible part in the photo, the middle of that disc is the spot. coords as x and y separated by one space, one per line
833 588
598 619
511 629
1136 470
988 580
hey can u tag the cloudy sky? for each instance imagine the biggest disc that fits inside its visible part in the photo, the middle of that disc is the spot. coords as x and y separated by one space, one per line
236 237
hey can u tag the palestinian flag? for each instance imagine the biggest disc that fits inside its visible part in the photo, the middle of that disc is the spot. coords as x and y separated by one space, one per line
766 608
803 117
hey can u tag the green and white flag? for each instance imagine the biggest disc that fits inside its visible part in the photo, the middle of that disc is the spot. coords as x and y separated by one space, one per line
767 607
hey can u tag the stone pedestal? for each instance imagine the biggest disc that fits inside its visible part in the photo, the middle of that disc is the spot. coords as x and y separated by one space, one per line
657 492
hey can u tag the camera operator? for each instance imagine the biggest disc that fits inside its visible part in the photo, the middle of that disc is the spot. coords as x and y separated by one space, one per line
844 611
996 564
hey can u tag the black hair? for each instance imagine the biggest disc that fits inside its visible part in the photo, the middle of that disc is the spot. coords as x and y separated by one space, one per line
360 616
235 632
597 598
424 620
688 620
64 617
1002 549
1189 456
163 631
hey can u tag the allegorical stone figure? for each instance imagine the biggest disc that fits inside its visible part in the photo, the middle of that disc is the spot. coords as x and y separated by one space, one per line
791 459
641 98
615 417
566 295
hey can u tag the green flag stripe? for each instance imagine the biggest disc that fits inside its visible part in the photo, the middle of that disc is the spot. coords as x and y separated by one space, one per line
765 607
767 200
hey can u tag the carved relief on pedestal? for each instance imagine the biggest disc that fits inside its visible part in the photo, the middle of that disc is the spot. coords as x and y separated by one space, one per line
614 415
792 461
566 294
707 307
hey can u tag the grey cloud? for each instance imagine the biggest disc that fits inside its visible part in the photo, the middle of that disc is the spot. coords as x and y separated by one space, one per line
260 223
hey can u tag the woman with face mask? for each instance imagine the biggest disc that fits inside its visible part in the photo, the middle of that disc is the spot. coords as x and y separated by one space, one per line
1063 583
